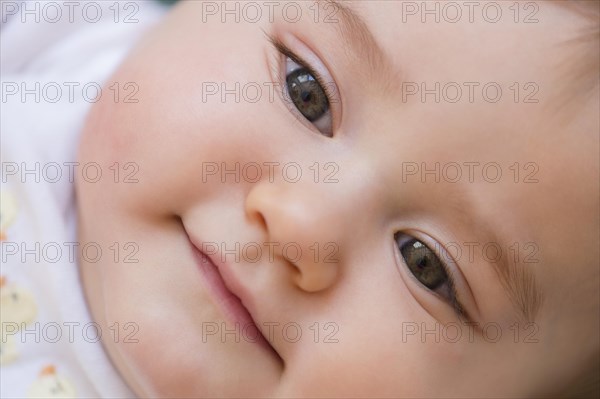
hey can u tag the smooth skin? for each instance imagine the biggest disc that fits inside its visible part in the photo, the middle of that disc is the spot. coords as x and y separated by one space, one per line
368 294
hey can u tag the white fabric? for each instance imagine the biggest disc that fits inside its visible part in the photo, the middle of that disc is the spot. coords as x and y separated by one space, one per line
45 132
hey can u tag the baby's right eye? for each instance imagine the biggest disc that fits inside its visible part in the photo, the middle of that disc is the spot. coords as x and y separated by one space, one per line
308 95
304 90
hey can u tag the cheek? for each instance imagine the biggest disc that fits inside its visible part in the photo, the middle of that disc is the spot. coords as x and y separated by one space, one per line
182 122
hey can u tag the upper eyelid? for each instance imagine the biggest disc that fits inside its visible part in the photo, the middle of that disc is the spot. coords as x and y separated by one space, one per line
446 257
283 49
443 255
333 94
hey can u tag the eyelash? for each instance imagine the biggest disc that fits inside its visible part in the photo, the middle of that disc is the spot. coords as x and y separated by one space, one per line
287 52
458 307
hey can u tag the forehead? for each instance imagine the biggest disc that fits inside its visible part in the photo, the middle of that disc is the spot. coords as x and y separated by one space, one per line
468 38
404 50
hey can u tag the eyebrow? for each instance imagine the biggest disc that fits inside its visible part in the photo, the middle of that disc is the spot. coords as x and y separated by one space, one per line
356 35
518 282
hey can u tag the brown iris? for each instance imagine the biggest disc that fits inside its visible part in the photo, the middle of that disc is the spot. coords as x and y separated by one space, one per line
307 94
424 264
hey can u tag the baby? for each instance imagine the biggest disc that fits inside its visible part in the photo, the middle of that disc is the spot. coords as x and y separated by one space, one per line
350 199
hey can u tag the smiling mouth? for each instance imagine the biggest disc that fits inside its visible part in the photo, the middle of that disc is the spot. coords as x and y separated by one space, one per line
229 303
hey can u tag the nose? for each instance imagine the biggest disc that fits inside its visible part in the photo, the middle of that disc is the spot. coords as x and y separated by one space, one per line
303 228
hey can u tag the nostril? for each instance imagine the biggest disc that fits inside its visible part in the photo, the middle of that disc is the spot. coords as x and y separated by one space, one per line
258 217
315 278
257 203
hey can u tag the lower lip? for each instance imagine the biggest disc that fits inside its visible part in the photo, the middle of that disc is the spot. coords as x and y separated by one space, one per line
231 305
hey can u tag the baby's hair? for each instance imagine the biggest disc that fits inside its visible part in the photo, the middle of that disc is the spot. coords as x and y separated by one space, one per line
581 71
168 1
590 35
586 81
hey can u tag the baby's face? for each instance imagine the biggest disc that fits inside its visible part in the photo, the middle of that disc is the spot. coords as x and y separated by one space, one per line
384 243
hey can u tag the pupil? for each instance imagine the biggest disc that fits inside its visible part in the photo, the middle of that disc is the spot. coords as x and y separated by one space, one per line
305 96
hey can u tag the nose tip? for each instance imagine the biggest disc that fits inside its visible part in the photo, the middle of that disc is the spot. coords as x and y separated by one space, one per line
298 226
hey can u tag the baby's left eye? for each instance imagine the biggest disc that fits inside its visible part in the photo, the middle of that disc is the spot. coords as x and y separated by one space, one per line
308 96
424 264
428 269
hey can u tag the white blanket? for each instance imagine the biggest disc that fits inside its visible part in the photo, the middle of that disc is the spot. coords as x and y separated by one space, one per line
49 347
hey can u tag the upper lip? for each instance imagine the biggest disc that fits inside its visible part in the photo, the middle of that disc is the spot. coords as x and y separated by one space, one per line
229 280
234 287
